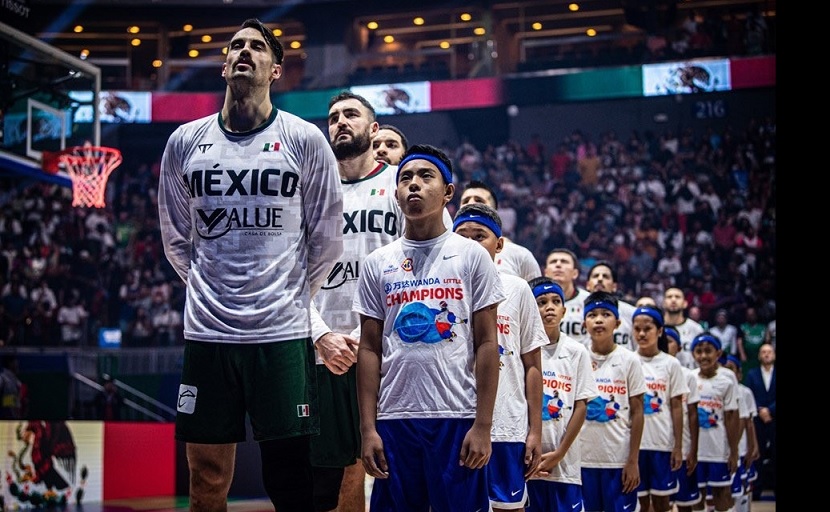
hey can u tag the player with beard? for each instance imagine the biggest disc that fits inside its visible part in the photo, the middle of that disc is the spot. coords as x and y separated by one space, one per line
389 144
603 278
372 219
674 311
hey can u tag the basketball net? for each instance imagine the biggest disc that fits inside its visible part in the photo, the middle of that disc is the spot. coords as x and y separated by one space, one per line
89 168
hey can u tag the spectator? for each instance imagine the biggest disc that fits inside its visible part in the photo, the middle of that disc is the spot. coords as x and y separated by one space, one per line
761 380
108 401
13 396
72 318
753 333
727 333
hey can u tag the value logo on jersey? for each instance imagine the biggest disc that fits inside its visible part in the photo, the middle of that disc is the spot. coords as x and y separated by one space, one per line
341 273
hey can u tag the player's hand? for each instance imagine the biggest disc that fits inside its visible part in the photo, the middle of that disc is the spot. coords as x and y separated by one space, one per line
338 351
476 448
630 477
547 462
533 455
373 457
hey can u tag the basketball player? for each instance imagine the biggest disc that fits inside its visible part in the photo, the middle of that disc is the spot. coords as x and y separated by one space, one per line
562 266
674 307
602 277
389 144
373 219
517 422
251 217
514 258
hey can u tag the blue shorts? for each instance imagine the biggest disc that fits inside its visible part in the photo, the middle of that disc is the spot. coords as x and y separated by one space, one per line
602 491
656 476
424 473
739 482
752 474
688 493
544 495
505 475
715 474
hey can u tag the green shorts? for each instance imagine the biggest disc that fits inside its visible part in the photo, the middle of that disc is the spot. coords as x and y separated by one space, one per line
338 444
274 383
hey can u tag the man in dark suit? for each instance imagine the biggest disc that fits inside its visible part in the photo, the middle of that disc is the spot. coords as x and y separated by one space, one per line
761 381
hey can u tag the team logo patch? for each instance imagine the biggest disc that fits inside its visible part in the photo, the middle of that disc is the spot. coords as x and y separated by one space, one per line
186 403
407 265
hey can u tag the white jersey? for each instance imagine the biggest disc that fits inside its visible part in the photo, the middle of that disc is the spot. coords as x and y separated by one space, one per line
253 223
664 380
692 397
518 260
728 336
718 394
372 219
687 331
566 377
622 334
606 433
426 293
749 409
573 321
520 331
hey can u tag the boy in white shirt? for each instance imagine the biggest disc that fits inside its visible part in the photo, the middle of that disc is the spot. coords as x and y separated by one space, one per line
517 425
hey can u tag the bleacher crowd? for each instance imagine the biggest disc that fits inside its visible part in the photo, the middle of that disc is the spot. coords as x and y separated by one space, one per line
694 210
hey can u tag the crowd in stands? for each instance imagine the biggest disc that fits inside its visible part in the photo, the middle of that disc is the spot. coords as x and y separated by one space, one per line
668 209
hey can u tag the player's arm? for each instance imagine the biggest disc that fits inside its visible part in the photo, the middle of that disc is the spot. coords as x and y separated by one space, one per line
532 362
732 422
322 209
476 448
694 435
631 470
368 386
174 208
551 459
676 409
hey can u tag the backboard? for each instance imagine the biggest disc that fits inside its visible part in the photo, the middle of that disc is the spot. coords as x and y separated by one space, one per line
38 86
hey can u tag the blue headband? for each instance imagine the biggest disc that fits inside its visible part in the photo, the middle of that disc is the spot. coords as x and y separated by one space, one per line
653 313
543 288
672 333
735 360
445 172
705 338
601 304
479 218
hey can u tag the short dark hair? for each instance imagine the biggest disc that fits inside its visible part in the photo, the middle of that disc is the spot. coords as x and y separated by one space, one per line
349 95
427 149
404 141
270 38
481 184
536 281
604 263
481 209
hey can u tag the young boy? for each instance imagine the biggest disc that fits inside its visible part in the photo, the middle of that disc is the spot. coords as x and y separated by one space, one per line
688 493
568 384
517 422
610 437
428 359
718 420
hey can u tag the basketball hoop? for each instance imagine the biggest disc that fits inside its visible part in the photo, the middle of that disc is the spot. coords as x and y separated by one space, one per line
89 168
